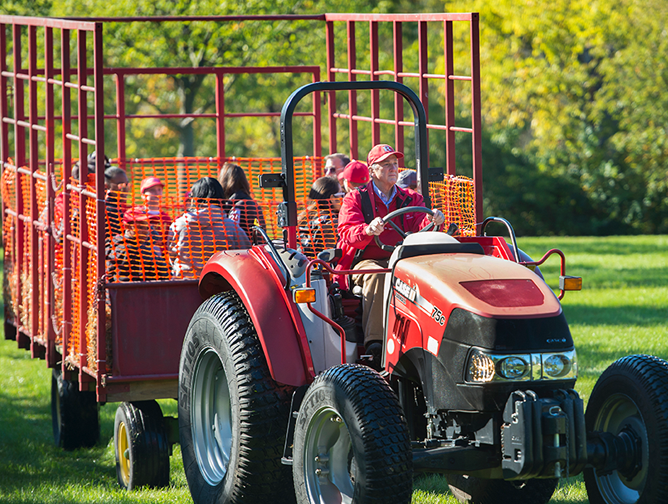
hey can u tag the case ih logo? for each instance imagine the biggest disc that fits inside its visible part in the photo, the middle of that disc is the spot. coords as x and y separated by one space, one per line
404 289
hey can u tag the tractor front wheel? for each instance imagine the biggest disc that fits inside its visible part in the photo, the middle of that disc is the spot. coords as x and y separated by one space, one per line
232 415
631 399
351 442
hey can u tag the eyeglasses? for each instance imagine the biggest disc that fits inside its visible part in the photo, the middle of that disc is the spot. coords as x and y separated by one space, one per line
330 170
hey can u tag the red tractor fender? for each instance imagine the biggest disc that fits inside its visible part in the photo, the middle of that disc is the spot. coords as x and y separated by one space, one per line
280 330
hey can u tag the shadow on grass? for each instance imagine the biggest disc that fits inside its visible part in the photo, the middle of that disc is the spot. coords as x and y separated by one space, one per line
28 454
615 315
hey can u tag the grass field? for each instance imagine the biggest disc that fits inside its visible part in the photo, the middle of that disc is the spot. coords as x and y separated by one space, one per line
622 310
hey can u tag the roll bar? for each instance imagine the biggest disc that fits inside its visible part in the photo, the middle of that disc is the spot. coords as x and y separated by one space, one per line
287 211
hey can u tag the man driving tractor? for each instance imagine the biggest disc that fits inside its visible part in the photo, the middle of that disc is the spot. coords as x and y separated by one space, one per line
361 219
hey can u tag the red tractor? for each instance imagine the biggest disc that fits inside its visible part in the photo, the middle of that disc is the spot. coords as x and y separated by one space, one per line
476 383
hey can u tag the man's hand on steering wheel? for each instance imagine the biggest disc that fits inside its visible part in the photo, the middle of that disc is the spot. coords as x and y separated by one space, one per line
437 218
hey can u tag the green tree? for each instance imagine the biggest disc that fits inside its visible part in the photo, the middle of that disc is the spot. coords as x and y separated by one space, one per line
583 85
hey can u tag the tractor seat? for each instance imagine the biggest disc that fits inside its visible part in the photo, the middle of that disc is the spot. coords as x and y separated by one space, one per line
406 251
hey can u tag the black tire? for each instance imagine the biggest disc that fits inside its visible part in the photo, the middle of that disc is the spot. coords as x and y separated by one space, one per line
632 395
141 445
351 441
232 415
493 491
74 414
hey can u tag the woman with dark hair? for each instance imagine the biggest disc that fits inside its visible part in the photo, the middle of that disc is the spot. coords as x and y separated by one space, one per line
317 225
241 207
202 230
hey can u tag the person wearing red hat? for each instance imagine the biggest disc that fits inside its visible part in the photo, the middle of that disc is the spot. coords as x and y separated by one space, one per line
360 220
151 190
132 255
354 175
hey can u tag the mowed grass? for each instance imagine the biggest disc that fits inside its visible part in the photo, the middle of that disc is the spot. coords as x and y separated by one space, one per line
621 310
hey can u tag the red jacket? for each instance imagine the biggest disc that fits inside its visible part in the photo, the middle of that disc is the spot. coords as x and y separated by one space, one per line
352 224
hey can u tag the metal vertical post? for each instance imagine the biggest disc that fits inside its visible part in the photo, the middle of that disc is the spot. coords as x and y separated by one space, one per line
82 81
398 100
33 147
424 69
476 117
19 161
449 99
66 322
120 119
352 95
48 236
100 207
4 109
317 118
220 114
375 99
331 96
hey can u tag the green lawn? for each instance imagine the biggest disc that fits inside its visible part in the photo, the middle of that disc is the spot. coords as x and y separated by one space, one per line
621 310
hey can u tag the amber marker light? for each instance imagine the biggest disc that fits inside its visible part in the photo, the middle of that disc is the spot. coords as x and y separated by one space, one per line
570 283
304 295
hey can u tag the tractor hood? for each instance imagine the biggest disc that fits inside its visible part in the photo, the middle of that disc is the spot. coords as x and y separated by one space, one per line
485 285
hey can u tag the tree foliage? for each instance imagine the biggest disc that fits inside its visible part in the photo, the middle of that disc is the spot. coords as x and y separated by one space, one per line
573 95
579 87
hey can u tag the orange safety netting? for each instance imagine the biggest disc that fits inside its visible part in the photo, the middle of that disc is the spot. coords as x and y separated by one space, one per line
170 239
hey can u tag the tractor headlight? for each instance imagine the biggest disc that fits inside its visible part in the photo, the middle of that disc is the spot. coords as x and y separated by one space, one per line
559 366
513 367
486 367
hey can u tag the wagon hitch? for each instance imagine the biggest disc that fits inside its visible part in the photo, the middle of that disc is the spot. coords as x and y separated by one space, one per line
608 452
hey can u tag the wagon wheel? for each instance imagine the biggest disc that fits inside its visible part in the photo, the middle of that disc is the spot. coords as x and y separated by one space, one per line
141 445
351 442
74 414
232 415
631 399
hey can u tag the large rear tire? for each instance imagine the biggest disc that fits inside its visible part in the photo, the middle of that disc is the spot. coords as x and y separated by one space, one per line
141 445
232 415
74 414
474 490
631 396
351 442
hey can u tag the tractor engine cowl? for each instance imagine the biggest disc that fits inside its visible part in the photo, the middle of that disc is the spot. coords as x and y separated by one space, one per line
478 326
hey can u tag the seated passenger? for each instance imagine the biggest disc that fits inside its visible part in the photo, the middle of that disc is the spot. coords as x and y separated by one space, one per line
202 230
354 175
360 220
132 256
317 225
242 209
116 186
151 189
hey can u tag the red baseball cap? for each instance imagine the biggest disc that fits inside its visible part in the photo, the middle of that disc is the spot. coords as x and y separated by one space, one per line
355 172
380 153
138 214
149 182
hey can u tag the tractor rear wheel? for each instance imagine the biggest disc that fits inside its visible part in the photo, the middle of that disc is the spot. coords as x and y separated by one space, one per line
474 490
232 415
351 442
631 397
141 445
74 414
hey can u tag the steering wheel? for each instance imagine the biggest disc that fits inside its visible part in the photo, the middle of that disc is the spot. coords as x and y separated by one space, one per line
396 213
